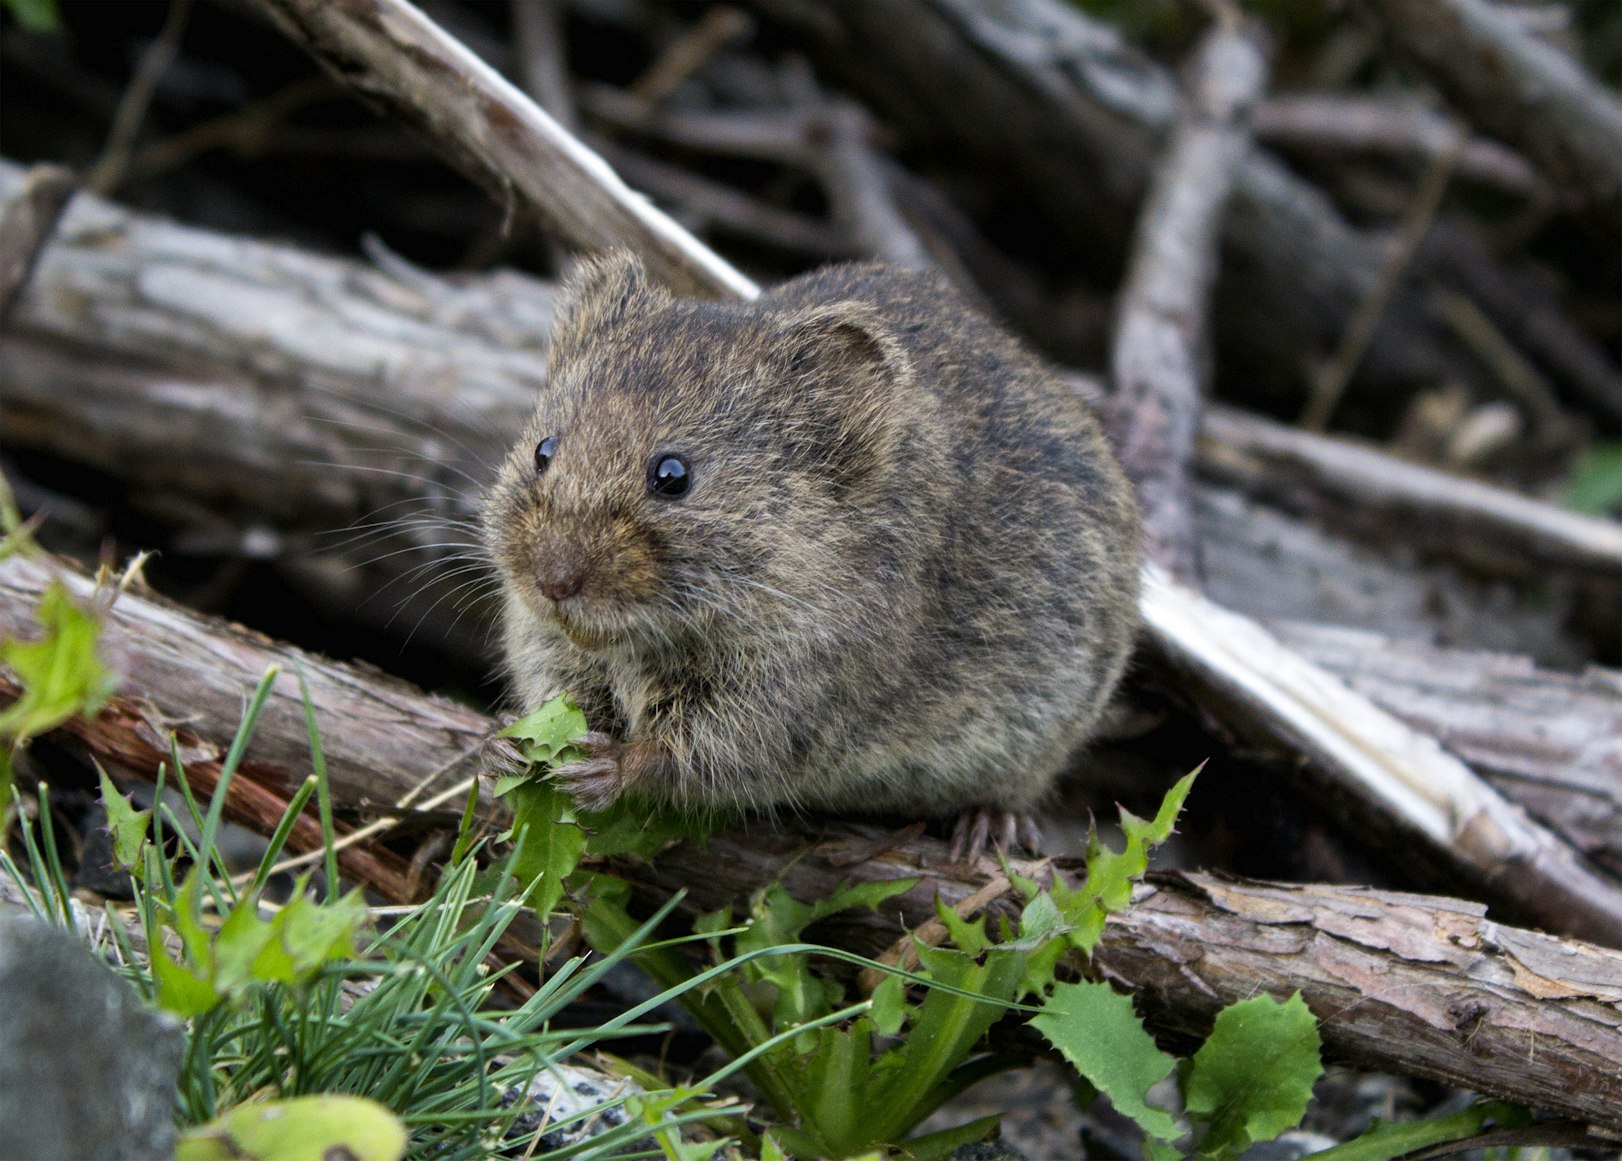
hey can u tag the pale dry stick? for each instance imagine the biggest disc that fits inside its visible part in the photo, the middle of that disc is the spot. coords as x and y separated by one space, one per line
1365 752
1160 340
374 828
1330 384
538 33
393 54
1340 123
716 30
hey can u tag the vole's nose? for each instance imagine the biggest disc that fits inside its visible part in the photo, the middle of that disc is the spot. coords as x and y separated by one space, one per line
560 578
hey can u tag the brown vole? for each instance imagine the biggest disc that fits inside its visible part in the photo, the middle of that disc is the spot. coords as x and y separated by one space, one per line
847 547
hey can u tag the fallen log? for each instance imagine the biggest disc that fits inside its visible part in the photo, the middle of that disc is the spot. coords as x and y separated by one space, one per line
1400 983
1405 983
1513 85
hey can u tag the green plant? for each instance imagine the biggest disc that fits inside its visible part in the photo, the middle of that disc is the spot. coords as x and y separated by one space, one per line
283 1006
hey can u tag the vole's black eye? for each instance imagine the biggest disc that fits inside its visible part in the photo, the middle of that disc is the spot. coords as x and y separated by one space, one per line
669 476
544 451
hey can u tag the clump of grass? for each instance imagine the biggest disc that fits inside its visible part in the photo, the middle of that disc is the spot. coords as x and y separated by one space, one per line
327 996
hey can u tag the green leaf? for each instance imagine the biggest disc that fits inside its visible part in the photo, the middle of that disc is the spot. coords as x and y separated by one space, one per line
944 1030
1596 485
128 825
308 1128
968 936
552 841
60 672
544 735
1383 1141
1253 1077
246 951
1097 1030
941 1145
1110 874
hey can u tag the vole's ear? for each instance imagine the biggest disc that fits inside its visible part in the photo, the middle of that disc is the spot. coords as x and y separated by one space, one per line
849 392
597 291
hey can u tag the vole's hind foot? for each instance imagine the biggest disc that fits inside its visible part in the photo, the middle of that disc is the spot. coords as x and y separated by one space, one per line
980 829
595 781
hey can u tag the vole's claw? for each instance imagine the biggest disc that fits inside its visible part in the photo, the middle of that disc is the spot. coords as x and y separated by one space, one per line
595 781
980 829
499 756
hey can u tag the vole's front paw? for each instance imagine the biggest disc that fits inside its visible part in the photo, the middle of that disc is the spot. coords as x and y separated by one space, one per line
500 755
595 781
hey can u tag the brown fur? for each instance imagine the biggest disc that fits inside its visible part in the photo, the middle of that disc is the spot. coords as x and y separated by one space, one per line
904 579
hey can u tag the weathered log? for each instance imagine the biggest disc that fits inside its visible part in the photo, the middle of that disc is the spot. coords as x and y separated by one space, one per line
1159 362
1550 741
1515 86
1405 983
385 742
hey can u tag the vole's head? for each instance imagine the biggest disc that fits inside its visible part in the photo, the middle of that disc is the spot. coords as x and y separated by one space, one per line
693 466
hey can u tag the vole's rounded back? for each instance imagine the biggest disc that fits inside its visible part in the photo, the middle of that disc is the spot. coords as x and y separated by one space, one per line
848 546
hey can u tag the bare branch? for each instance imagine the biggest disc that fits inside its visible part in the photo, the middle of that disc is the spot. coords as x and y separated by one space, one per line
1160 339
394 55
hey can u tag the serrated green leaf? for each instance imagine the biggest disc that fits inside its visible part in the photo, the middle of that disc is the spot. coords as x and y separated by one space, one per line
967 935
128 825
61 675
544 735
553 841
181 990
1111 874
1039 922
631 827
1099 1032
315 933
770 1150
1252 1078
308 1128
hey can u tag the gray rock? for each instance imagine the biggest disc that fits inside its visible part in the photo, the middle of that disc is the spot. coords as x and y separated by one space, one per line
87 1071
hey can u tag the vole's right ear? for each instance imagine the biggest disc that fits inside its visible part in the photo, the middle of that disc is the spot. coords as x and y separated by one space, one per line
598 291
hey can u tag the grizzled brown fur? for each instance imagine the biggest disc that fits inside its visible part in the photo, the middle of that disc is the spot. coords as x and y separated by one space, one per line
903 580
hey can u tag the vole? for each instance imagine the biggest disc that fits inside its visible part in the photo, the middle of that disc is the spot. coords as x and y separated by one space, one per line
847 547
